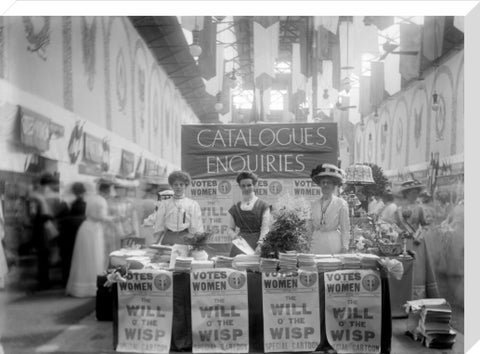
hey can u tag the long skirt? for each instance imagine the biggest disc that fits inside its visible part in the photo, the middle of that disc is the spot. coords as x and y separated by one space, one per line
326 242
3 266
88 260
424 279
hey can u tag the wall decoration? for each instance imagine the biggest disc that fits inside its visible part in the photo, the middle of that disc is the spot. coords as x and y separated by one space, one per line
358 147
75 142
418 116
67 63
121 81
105 154
89 34
139 85
399 140
440 117
38 39
141 96
155 111
383 140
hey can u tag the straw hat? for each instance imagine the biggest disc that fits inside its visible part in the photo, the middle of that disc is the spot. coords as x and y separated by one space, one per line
411 184
328 170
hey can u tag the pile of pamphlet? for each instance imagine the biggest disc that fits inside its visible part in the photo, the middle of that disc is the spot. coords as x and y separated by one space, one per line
429 322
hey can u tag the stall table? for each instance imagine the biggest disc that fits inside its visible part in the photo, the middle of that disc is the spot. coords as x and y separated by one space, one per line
182 322
401 290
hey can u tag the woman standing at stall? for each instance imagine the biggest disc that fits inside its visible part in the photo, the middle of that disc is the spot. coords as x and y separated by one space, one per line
410 217
251 215
89 258
331 223
178 216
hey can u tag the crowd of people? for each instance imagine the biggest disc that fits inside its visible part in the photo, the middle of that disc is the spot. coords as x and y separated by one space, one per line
79 234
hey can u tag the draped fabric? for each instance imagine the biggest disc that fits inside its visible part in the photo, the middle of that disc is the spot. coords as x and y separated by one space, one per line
377 84
207 61
410 40
381 22
214 85
365 106
392 76
299 84
306 47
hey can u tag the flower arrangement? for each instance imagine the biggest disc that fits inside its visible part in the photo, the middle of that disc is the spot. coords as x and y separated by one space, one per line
198 241
116 275
289 230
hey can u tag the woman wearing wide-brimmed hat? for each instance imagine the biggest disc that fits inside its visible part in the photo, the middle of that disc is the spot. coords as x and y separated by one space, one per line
331 223
410 217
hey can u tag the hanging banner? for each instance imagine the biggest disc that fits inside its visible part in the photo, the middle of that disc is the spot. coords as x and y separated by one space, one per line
145 312
219 311
269 150
291 312
353 310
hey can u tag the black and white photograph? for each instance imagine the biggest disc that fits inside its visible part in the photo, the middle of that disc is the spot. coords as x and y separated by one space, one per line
237 177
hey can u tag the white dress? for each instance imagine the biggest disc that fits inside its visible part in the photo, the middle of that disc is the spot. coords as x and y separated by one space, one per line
328 238
89 258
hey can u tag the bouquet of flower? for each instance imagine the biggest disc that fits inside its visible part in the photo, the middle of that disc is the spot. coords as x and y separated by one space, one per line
386 230
116 275
198 240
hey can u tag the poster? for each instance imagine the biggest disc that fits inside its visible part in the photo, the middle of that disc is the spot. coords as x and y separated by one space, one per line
288 150
353 310
215 198
145 312
219 311
291 313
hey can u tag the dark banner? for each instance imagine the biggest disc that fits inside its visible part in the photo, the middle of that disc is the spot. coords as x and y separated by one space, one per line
270 151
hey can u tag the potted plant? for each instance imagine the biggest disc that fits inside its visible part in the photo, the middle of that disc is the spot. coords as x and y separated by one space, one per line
197 242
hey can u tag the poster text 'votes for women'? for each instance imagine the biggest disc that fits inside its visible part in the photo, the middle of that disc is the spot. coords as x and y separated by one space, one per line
145 312
291 311
219 311
353 310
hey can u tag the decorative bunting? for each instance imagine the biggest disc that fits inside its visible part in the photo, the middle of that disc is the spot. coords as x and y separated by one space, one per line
433 32
410 40
377 84
392 77
306 46
364 105
208 42
214 85
381 22
265 51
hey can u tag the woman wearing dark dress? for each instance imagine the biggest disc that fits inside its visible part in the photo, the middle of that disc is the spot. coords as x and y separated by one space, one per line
249 218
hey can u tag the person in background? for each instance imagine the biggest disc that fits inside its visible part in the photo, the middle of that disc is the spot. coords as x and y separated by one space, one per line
330 219
70 225
410 218
387 214
375 205
251 216
426 201
45 205
124 209
178 216
89 258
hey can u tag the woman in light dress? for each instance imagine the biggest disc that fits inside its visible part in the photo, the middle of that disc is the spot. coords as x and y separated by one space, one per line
89 257
330 219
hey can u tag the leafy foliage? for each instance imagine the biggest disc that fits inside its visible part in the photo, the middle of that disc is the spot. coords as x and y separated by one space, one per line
288 233
380 185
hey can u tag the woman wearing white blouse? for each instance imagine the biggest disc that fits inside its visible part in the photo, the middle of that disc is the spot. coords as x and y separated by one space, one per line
178 216
331 223
251 215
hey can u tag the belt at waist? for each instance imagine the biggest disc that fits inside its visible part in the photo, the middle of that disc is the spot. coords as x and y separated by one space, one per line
184 230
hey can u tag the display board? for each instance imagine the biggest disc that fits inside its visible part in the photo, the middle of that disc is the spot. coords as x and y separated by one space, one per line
145 312
219 311
353 310
291 311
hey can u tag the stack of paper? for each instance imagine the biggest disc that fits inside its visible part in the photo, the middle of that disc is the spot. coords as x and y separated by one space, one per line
247 262
269 265
306 261
222 261
161 253
368 261
350 261
288 261
432 317
183 264
329 264
202 264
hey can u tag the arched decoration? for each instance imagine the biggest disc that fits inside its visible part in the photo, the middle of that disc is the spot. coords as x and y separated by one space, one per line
118 75
155 98
399 133
89 34
37 33
441 118
418 124
383 129
140 90
359 145
457 145
167 114
369 136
